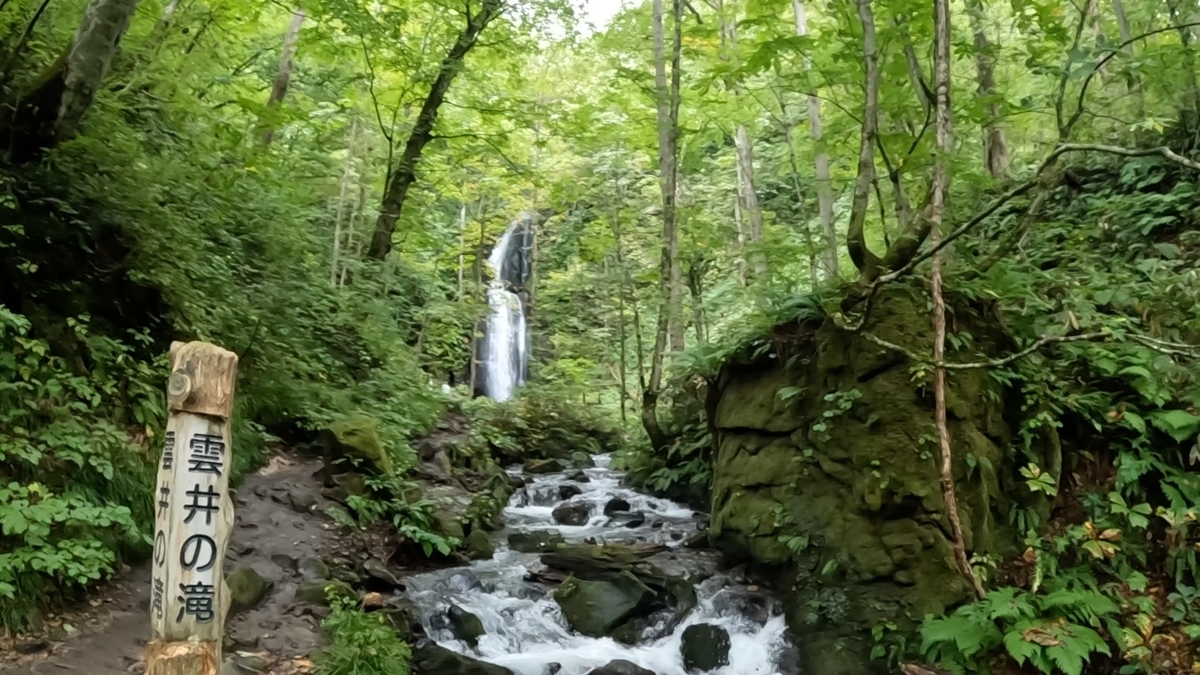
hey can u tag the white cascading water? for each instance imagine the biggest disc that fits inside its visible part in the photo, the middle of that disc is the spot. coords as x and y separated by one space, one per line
503 357
525 629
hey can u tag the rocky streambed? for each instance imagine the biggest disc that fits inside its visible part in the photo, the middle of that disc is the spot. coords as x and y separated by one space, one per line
593 577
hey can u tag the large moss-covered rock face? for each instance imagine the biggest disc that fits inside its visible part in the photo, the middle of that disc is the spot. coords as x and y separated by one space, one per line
829 439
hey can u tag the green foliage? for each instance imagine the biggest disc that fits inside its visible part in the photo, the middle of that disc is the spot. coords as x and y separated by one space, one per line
75 465
387 501
361 643
1055 633
546 420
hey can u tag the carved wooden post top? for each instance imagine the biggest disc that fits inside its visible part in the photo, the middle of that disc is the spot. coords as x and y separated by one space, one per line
202 380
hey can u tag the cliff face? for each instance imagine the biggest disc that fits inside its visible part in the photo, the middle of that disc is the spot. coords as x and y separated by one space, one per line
827 468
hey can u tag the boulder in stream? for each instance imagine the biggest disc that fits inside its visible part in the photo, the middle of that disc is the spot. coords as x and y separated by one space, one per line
627 519
433 659
465 625
478 546
565 492
597 608
621 667
616 505
582 460
578 476
544 466
540 541
705 647
572 513
595 561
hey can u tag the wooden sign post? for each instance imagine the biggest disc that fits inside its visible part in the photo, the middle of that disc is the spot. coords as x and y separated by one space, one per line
189 600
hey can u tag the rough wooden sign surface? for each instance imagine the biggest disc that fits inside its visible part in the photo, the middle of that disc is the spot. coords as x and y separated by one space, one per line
194 513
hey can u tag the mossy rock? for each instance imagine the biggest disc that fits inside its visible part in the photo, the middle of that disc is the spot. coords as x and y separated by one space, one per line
247 588
540 541
597 608
846 466
478 546
357 438
318 592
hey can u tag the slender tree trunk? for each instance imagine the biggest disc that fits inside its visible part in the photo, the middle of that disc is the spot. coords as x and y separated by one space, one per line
856 242
164 23
51 111
801 201
283 77
670 304
628 287
916 73
341 204
622 338
405 173
1189 64
352 239
995 147
829 252
462 246
750 199
744 147
739 224
941 181
1133 81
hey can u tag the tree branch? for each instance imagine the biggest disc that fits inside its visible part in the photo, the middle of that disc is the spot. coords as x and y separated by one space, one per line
990 363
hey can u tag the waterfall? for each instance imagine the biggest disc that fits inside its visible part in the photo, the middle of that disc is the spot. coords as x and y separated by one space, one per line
504 359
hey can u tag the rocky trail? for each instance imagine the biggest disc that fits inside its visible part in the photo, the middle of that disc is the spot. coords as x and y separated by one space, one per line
279 535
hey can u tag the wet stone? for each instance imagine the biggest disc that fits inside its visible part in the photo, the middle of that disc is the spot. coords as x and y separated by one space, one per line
616 505
627 519
572 513
541 541
465 625
705 647
313 569
621 667
378 571
565 492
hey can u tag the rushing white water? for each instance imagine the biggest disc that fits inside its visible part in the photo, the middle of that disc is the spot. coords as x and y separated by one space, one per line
526 631
503 357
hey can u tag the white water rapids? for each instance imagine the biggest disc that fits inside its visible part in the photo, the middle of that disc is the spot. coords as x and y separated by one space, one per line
526 631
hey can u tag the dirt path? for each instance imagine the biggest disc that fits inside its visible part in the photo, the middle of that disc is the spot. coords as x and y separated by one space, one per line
272 534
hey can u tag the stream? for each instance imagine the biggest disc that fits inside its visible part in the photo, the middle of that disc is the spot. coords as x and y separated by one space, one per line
525 629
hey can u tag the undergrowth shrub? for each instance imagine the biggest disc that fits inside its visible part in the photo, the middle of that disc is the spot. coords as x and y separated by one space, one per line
361 644
544 420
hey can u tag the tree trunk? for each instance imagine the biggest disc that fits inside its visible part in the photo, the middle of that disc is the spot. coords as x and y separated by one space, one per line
738 223
670 299
283 77
1133 82
744 150
995 147
52 109
745 158
856 241
164 23
941 184
1189 64
829 253
462 246
422 132
341 205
